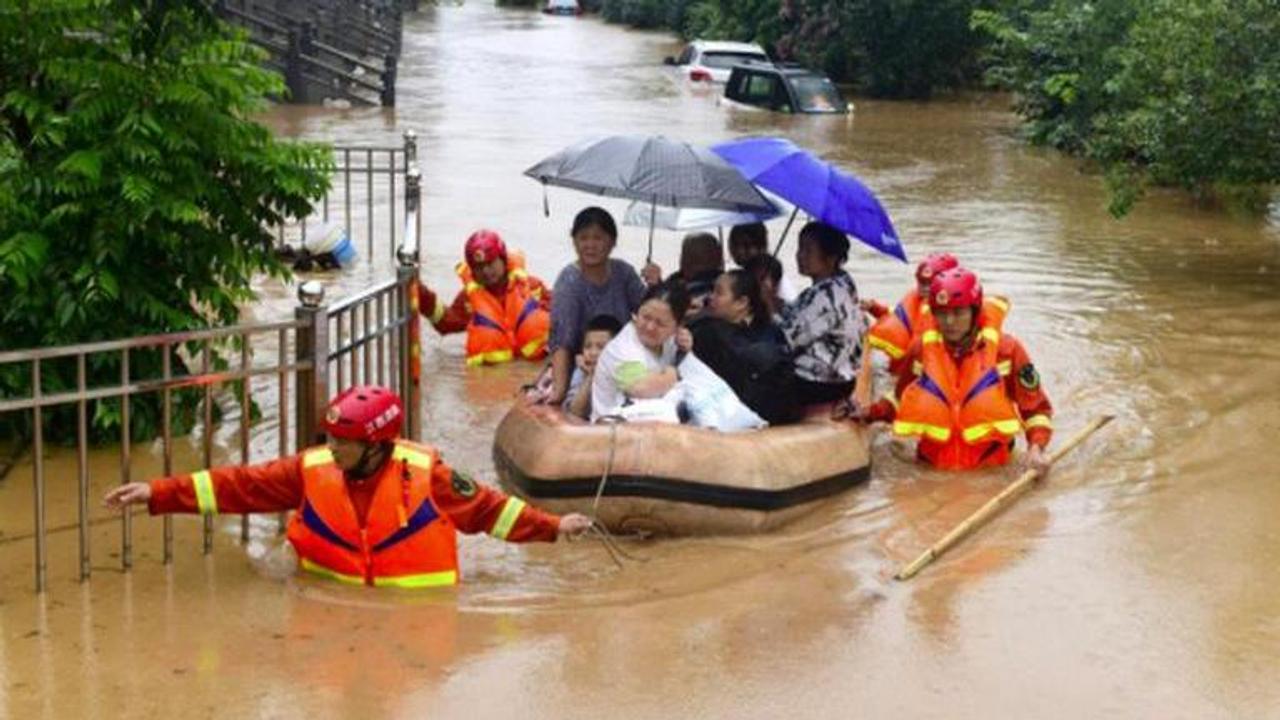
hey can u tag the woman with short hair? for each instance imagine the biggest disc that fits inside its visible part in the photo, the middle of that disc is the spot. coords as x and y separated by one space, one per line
824 326
596 284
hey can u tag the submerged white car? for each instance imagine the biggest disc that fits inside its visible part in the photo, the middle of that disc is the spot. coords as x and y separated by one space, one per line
712 61
562 7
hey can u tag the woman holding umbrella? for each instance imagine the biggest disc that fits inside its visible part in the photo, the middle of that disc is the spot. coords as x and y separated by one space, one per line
596 284
653 169
823 326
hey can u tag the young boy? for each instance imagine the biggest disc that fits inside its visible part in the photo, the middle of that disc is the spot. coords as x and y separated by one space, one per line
600 330
747 242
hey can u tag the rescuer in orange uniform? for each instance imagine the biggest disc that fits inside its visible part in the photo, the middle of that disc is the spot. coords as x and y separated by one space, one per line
892 332
505 311
371 509
967 389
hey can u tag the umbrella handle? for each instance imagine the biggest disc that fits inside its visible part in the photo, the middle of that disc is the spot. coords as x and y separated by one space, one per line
653 218
778 248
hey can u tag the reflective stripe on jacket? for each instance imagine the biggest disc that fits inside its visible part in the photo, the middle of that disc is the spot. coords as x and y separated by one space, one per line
961 413
893 332
406 540
501 330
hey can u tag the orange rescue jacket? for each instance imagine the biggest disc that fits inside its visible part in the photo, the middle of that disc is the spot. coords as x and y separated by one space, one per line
406 540
960 411
498 331
893 332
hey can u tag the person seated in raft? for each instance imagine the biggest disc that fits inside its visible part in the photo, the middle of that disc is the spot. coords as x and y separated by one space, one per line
751 240
595 284
970 388
893 332
505 311
739 341
701 262
372 509
824 326
768 273
600 330
640 362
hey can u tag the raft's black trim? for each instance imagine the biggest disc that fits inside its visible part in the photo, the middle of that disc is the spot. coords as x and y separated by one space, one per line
695 493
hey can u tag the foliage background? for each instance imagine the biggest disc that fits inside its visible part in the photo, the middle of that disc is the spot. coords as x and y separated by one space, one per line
135 187
1182 93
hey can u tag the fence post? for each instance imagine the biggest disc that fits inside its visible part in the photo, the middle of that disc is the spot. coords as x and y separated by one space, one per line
312 347
293 77
410 158
308 39
407 276
389 81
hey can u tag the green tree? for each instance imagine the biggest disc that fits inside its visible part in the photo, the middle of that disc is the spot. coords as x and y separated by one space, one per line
135 187
758 21
1182 93
1196 103
887 48
1057 56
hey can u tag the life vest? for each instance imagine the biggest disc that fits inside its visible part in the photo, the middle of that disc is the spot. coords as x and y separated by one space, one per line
499 330
961 413
893 332
406 541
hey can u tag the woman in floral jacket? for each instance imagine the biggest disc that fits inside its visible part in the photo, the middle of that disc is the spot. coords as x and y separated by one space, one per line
823 326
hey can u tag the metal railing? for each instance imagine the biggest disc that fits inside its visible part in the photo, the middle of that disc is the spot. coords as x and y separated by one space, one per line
371 337
345 50
363 176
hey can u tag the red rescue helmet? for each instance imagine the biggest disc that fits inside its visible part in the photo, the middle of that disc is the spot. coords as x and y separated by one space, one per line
364 412
485 246
955 288
935 264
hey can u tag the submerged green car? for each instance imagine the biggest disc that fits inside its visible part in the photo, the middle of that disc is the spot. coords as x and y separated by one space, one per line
784 88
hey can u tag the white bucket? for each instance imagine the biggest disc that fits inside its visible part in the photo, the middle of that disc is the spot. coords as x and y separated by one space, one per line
331 237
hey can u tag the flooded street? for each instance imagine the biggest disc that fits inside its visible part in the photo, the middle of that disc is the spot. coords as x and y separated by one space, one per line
1143 580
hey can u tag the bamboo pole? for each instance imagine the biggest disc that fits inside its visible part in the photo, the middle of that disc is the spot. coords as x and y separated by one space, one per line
862 389
996 504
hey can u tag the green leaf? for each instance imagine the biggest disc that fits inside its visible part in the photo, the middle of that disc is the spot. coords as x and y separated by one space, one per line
87 163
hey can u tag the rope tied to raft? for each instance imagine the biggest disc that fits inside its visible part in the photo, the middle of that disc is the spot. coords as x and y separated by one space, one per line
610 543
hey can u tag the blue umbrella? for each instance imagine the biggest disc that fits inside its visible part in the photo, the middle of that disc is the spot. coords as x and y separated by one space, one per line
822 190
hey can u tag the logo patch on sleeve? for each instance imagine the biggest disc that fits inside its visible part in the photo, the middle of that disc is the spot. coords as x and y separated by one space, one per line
1028 377
463 485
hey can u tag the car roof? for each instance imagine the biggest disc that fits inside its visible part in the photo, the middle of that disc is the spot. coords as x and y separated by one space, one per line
725 46
783 69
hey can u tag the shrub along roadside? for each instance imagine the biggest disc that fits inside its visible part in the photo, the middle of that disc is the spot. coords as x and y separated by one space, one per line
1181 93
134 187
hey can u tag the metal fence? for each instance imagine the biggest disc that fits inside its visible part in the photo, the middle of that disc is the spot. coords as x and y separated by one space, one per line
367 183
326 49
291 365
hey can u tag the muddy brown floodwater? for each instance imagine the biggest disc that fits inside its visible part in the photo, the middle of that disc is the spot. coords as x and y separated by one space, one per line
1142 581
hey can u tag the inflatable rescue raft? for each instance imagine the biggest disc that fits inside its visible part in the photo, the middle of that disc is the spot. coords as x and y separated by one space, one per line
675 479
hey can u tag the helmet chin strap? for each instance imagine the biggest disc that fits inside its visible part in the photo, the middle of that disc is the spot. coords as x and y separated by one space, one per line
370 461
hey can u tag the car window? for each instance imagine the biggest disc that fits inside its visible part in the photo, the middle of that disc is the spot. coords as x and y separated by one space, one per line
760 89
817 94
726 60
685 56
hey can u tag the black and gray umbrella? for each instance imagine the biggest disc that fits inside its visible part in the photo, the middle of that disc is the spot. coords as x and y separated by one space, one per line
653 169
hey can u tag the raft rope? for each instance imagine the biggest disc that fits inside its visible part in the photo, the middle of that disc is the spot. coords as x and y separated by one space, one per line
606 539
608 468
